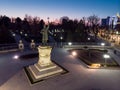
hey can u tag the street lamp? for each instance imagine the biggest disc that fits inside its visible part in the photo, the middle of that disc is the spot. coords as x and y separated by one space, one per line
21 32
88 39
117 32
106 56
61 38
13 34
16 57
74 53
69 43
25 34
103 44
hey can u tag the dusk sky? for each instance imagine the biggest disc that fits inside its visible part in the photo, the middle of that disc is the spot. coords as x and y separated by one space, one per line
74 9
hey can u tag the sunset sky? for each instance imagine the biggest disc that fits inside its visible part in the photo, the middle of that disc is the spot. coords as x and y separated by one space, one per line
74 9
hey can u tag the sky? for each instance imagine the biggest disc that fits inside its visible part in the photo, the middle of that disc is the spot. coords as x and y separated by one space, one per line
54 9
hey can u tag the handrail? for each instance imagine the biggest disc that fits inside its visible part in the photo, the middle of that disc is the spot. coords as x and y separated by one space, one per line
8 46
56 44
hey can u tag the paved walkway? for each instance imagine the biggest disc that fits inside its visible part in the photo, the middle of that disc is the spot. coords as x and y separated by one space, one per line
13 77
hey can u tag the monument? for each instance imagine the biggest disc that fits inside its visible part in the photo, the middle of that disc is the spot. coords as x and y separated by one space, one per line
44 68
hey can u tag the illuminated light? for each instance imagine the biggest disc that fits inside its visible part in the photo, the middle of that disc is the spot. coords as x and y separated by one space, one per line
88 38
26 35
16 57
13 34
69 43
74 53
61 37
102 44
95 65
106 56
117 32
21 32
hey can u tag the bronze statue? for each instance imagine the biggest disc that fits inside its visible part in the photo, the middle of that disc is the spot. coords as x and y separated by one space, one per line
44 32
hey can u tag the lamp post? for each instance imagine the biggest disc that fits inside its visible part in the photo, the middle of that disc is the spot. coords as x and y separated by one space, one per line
106 56
61 38
13 34
74 53
69 43
103 44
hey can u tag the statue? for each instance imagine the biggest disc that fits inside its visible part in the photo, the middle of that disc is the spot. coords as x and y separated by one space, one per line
44 32
44 68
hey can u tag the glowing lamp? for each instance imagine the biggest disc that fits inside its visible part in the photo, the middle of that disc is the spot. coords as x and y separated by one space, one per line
74 53
95 65
16 57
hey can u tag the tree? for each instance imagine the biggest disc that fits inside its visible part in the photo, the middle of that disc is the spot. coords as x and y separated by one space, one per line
18 24
5 35
26 26
94 19
64 18
80 32
41 24
5 22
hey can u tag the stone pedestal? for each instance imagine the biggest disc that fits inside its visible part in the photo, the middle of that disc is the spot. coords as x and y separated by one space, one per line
44 55
44 68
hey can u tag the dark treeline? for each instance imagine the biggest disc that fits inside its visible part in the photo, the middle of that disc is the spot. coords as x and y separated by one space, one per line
74 30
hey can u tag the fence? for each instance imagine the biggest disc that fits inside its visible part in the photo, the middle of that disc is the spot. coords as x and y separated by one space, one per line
8 46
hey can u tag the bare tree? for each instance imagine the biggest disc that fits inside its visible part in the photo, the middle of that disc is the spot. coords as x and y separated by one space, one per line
94 19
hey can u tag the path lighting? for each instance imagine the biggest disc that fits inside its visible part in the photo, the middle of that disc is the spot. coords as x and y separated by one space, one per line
95 65
117 32
102 44
25 34
70 43
74 53
106 56
16 57
88 38
21 32
13 34
61 38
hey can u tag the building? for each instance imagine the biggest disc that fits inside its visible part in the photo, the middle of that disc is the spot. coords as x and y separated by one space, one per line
110 22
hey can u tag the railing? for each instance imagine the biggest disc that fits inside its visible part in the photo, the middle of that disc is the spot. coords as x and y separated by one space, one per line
56 44
8 46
